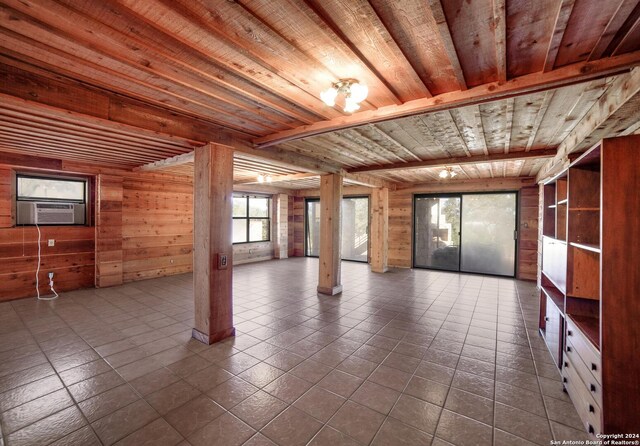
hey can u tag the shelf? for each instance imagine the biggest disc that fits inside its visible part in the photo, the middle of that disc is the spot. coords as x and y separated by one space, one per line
555 239
553 206
590 326
556 296
586 246
561 202
585 209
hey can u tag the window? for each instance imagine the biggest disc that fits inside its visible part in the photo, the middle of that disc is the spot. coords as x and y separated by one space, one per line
251 222
31 188
50 200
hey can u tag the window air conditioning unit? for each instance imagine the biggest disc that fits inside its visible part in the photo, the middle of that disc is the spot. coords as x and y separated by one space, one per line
33 212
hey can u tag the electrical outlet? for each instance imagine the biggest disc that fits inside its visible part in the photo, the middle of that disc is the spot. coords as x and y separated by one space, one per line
52 242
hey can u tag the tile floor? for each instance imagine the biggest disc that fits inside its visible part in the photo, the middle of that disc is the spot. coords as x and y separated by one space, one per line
411 357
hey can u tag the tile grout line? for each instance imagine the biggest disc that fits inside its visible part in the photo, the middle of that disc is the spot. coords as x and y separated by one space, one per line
75 403
535 365
414 372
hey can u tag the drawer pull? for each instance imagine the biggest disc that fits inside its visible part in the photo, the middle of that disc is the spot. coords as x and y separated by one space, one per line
591 430
569 333
593 388
594 367
591 409
566 364
546 319
569 350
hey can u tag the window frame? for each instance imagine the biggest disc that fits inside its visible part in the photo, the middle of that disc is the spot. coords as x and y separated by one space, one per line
248 218
84 181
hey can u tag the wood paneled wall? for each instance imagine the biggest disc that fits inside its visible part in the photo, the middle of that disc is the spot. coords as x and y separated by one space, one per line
291 226
252 252
297 224
157 226
108 230
528 234
72 259
400 227
6 195
144 229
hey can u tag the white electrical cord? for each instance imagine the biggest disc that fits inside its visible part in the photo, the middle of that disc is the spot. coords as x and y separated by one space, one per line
55 296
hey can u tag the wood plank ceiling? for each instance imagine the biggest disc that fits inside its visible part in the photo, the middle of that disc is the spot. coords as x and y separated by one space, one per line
257 69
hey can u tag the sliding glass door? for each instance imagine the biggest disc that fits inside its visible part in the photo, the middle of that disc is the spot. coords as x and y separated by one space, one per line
437 232
312 228
488 234
355 228
466 232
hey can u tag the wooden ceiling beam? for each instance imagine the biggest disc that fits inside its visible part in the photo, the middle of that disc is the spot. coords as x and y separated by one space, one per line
362 179
380 53
628 33
471 185
192 31
314 67
615 23
527 84
562 18
594 124
279 178
261 189
500 25
447 40
173 161
65 100
441 162
200 73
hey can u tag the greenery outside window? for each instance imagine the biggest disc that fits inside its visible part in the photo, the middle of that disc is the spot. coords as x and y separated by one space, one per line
251 219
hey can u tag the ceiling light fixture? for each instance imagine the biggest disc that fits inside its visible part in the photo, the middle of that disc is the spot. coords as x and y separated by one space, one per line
354 92
263 178
447 173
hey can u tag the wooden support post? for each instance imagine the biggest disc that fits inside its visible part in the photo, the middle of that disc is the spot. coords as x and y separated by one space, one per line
213 250
330 209
379 230
281 245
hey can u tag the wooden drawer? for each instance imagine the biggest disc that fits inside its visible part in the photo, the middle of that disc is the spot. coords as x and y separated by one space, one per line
585 350
588 409
581 369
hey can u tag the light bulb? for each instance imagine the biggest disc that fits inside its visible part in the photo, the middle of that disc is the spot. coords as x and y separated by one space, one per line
350 105
260 179
269 178
444 174
359 92
329 96
452 173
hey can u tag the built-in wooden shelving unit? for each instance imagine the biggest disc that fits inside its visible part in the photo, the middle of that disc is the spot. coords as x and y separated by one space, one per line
589 305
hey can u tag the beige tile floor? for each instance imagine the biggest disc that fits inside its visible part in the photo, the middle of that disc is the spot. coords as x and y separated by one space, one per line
411 357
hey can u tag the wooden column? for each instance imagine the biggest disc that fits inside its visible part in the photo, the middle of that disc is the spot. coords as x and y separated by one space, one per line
380 230
109 196
213 250
330 207
281 245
